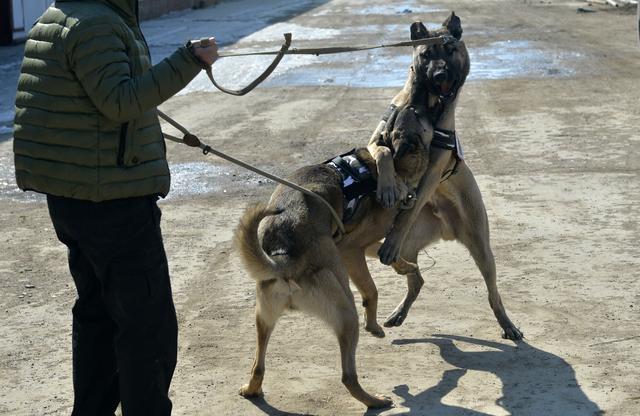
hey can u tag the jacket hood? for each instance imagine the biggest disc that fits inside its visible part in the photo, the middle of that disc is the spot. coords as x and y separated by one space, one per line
127 9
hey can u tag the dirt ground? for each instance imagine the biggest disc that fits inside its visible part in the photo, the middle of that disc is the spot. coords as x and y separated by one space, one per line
557 159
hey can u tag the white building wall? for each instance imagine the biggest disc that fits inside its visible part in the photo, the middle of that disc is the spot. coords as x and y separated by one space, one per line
25 13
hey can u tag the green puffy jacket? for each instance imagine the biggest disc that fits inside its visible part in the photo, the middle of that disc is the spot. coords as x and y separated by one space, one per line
86 125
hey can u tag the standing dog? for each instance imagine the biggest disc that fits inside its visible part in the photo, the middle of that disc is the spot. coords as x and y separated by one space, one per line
288 247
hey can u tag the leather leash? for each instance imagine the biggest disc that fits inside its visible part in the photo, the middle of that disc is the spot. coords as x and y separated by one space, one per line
193 141
286 50
279 55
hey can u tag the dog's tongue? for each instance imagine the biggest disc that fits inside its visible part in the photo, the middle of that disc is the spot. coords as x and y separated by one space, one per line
445 87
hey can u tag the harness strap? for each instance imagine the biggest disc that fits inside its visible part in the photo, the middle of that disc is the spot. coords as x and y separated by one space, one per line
448 140
444 139
359 187
357 181
389 112
389 118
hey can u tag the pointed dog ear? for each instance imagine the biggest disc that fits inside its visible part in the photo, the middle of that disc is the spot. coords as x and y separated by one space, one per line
418 31
453 25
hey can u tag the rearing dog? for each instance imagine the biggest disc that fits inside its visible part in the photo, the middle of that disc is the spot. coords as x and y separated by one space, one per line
448 205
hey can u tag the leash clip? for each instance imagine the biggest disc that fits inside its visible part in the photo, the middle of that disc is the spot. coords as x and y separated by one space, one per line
448 40
409 202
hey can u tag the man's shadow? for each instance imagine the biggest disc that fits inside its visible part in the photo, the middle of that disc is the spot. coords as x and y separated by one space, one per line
534 382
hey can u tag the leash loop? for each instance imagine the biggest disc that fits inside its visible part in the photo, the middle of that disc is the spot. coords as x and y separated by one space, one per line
279 55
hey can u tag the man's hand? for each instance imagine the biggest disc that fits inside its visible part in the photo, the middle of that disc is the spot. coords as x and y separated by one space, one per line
206 50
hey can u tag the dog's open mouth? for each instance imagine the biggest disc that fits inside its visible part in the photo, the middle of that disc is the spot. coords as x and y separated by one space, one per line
445 88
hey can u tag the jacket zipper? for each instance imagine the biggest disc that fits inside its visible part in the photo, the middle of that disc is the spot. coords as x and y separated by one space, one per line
140 32
122 144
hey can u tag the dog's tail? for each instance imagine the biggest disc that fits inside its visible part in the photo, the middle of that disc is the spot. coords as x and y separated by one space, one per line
259 265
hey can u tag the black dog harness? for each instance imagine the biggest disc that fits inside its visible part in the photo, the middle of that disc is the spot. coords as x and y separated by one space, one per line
448 140
357 181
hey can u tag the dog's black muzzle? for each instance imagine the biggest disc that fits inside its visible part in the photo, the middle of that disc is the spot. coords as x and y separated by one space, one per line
440 76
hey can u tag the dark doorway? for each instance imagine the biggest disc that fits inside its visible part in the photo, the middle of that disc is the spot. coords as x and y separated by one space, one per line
6 26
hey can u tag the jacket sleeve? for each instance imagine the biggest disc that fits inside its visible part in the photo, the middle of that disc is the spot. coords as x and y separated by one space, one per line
98 57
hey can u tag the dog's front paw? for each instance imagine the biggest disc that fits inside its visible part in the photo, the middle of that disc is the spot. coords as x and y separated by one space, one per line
389 252
375 330
387 194
396 318
380 401
512 333
248 392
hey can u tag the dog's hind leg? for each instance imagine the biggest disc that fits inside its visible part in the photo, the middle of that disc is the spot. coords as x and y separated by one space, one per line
359 273
271 301
472 230
329 299
425 231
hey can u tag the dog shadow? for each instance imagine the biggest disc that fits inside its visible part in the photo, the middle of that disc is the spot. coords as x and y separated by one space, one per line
534 382
268 409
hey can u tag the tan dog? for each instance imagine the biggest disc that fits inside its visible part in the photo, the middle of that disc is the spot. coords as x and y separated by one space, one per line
297 265
450 209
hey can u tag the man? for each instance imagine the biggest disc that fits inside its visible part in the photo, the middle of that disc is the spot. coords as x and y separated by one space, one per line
87 135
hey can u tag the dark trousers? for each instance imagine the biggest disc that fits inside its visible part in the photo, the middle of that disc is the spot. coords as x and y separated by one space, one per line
124 322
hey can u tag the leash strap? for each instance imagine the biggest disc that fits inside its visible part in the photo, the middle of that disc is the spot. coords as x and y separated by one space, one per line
440 40
193 141
286 50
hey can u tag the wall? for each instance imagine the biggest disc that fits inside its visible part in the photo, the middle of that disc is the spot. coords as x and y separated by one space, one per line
154 8
17 16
